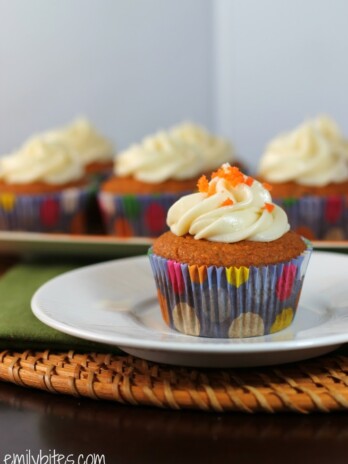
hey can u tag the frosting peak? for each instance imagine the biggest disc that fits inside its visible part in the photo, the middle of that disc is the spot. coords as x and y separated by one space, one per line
82 137
229 207
40 160
314 154
183 152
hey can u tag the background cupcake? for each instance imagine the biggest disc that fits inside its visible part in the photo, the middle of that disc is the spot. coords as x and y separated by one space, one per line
96 153
308 171
149 177
229 266
43 188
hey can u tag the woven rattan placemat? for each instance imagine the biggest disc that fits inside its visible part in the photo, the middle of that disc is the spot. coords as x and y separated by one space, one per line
310 386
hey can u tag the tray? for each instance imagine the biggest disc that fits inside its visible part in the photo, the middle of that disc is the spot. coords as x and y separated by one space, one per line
24 243
31 243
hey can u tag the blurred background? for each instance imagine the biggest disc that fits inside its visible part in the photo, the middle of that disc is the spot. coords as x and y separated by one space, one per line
245 69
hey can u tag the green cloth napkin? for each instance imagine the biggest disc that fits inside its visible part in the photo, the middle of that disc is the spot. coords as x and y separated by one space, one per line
19 328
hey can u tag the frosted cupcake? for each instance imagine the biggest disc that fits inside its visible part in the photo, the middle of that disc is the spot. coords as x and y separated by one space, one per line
96 153
43 188
308 170
229 267
149 177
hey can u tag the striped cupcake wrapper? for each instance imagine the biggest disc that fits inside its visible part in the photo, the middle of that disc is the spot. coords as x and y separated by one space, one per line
317 218
229 302
62 211
136 215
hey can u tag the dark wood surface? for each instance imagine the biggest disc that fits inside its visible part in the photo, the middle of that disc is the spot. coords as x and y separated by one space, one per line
34 420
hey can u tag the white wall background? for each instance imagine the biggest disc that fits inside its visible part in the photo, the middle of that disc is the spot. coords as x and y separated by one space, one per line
278 62
131 66
244 68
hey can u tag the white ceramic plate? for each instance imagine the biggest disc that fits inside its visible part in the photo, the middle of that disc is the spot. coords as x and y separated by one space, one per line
115 303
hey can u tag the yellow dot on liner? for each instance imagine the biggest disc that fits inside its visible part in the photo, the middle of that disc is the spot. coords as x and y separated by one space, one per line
185 319
282 320
7 201
247 325
237 276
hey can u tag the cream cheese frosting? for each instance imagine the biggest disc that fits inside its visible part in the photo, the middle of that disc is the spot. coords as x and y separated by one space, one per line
183 152
314 154
40 160
229 208
215 150
83 137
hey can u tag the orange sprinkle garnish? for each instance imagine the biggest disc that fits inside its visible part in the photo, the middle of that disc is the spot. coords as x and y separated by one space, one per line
203 184
211 189
269 207
249 181
267 186
227 202
231 174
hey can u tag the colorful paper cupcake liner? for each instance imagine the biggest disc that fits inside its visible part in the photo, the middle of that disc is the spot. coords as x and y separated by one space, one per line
136 215
54 212
229 302
318 218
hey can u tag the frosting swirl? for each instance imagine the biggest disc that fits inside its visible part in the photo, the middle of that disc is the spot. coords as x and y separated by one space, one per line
215 150
181 153
40 160
229 208
82 137
314 154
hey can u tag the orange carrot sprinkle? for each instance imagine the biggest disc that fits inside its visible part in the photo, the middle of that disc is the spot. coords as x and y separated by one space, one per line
203 184
231 174
211 189
227 202
267 186
269 207
249 181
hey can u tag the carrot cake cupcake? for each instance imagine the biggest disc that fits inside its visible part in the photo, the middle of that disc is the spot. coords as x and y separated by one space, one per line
43 188
151 176
229 266
308 170
96 153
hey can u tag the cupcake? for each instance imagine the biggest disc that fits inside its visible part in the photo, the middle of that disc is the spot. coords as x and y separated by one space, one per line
95 151
229 267
308 170
43 188
151 176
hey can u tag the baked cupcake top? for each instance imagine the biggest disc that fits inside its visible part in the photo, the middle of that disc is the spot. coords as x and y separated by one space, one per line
230 207
40 160
181 153
82 137
314 154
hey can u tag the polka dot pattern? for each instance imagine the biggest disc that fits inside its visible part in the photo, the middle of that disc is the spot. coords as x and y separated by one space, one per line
317 218
282 320
217 302
237 276
185 319
142 215
246 325
55 212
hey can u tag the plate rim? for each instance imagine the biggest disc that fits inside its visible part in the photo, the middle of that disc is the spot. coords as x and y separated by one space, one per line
216 346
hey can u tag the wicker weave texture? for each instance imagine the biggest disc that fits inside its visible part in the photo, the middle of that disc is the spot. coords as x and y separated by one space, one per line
311 386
